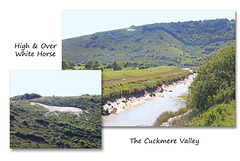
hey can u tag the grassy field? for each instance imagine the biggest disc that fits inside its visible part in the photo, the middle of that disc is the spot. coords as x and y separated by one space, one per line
79 67
128 81
111 77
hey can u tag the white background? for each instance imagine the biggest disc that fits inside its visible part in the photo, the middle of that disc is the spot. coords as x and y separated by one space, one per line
40 21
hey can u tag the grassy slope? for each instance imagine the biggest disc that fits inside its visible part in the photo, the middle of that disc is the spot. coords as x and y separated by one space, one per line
219 115
181 43
31 128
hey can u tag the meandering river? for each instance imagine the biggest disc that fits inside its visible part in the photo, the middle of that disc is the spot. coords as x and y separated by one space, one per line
146 114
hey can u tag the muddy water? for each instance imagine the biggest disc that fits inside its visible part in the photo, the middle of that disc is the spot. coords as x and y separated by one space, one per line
147 113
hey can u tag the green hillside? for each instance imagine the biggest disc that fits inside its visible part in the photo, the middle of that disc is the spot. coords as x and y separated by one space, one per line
182 43
215 82
213 90
211 100
34 126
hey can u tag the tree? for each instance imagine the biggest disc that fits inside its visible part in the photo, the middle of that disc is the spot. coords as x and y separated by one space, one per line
71 63
117 65
65 65
144 65
135 65
128 64
96 64
109 66
171 64
89 64
26 96
215 82
93 64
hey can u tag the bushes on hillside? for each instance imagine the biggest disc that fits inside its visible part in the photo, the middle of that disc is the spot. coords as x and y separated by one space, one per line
33 126
215 82
25 96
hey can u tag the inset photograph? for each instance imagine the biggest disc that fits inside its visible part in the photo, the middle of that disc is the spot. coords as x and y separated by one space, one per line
160 68
55 110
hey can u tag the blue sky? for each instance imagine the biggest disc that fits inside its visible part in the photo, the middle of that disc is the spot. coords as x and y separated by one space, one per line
58 83
77 23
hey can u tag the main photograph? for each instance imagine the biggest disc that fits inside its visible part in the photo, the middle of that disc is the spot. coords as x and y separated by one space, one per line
159 68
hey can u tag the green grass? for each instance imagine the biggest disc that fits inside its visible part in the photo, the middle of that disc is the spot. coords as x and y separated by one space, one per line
79 67
219 115
182 98
169 114
130 81
111 77
127 72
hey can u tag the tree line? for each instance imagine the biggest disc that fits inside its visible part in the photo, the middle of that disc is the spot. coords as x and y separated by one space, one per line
97 65
25 96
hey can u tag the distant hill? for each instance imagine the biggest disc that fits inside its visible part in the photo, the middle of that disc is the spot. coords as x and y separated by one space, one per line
180 43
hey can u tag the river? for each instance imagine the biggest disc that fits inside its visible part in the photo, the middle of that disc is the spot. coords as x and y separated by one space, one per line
146 114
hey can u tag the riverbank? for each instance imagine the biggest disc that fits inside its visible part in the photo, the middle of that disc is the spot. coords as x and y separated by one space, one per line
122 104
128 83
170 118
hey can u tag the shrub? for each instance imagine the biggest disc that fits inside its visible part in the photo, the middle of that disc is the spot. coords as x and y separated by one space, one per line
215 82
